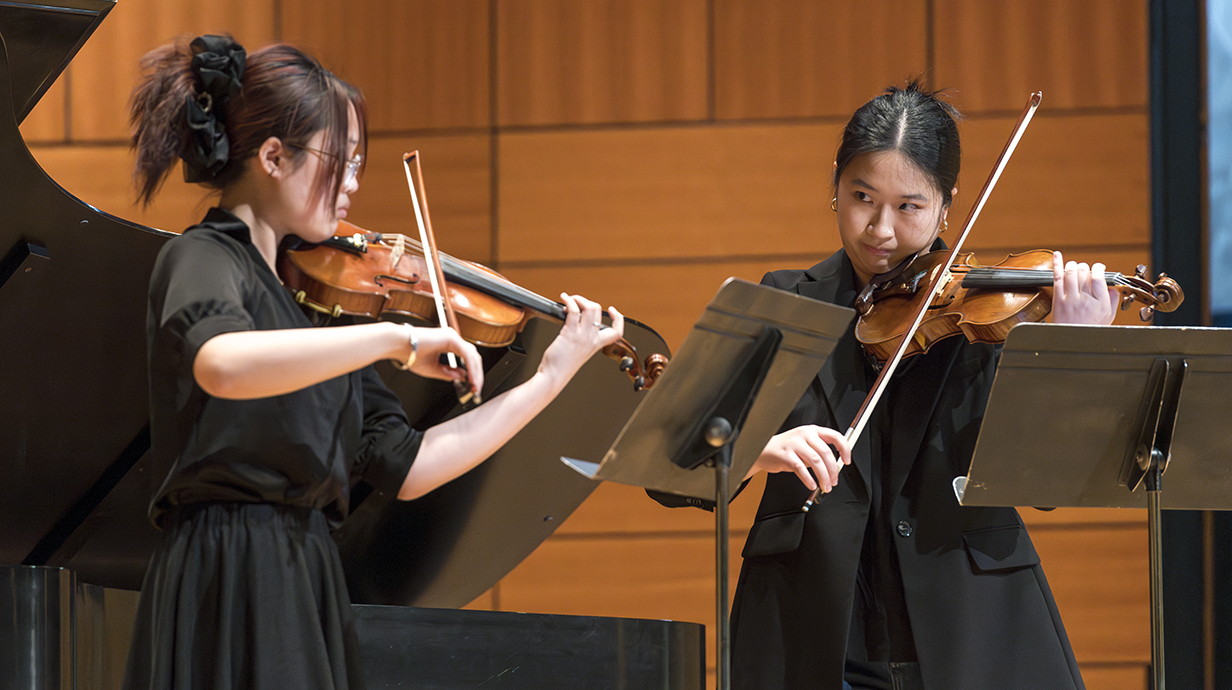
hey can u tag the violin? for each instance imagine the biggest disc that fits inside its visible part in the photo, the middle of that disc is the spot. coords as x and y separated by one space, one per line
981 303
367 274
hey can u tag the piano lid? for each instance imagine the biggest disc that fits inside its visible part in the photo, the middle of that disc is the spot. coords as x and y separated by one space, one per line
73 411
42 36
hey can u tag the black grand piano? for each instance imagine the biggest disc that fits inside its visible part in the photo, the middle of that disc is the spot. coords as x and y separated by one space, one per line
75 479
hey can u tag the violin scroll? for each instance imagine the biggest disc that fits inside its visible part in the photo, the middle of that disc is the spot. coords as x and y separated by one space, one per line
1164 295
644 375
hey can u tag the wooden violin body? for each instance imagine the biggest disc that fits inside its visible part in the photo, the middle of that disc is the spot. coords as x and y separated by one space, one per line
375 280
982 303
364 274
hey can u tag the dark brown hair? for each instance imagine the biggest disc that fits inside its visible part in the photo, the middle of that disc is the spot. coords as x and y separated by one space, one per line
284 93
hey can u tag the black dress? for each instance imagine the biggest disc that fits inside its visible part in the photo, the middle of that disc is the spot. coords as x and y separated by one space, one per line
888 567
246 589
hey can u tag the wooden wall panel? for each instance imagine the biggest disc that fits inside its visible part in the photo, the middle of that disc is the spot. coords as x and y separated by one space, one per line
456 174
107 68
1098 576
1088 54
1082 516
653 193
637 576
562 61
803 58
1073 182
422 64
1117 676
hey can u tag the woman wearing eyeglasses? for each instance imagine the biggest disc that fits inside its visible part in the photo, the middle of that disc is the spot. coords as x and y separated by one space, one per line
261 422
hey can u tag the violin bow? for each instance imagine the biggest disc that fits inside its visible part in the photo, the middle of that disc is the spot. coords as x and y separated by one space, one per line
937 282
444 310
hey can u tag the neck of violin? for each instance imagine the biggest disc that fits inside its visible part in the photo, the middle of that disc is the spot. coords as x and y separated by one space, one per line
472 277
1010 278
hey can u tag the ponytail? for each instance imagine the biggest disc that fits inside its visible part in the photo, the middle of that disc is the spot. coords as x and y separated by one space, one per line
158 117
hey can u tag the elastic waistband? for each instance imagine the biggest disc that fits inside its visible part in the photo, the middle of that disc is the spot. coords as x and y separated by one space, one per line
304 517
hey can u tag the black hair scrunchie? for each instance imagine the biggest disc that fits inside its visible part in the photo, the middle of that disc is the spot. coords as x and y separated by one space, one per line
218 62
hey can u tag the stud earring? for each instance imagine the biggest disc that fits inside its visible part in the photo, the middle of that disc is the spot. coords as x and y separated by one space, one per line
834 204
945 225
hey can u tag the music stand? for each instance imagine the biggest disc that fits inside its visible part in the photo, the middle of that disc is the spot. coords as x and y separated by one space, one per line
728 389
1116 407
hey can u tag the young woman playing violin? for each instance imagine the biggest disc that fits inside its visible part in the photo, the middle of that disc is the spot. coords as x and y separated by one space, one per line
887 582
262 422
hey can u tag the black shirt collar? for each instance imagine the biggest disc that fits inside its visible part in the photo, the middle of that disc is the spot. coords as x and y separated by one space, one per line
226 222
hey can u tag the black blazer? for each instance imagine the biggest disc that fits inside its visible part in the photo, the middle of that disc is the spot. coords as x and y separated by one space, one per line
981 612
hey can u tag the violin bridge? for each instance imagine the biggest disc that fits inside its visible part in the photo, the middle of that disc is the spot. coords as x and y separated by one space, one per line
395 255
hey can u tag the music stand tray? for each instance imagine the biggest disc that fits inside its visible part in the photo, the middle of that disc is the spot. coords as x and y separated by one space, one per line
728 389
1086 416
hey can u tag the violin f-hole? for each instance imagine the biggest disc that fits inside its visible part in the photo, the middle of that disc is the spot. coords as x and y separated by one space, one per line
397 279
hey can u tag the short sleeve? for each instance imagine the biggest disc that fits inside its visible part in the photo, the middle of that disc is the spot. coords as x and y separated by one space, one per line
196 293
389 444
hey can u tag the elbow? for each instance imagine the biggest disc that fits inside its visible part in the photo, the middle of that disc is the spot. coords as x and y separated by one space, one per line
215 384
419 479
412 488
213 376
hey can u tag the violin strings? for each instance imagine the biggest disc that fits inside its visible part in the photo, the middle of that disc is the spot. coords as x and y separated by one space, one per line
479 280
1023 277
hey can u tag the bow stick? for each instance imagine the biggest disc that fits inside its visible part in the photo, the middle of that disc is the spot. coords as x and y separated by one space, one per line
444 310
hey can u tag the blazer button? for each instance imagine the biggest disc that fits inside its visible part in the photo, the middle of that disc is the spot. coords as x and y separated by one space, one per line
904 529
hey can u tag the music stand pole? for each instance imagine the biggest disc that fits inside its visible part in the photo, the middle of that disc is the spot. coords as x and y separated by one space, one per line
721 431
1154 516
713 449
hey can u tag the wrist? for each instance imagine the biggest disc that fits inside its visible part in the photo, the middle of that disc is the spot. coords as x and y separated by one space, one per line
549 382
408 350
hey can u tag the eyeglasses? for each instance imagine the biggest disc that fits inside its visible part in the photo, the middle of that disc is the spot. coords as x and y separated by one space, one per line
352 164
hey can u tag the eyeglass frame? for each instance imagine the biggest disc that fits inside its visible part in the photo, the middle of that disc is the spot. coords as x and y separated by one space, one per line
353 164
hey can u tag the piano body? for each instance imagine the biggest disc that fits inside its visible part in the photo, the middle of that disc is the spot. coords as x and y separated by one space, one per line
74 537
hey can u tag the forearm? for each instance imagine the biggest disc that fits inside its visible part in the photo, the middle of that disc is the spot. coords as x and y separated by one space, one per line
256 364
454 447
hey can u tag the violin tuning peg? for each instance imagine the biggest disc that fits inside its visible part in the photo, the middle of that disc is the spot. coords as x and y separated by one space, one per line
1126 300
1146 313
1140 271
638 383
626 363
